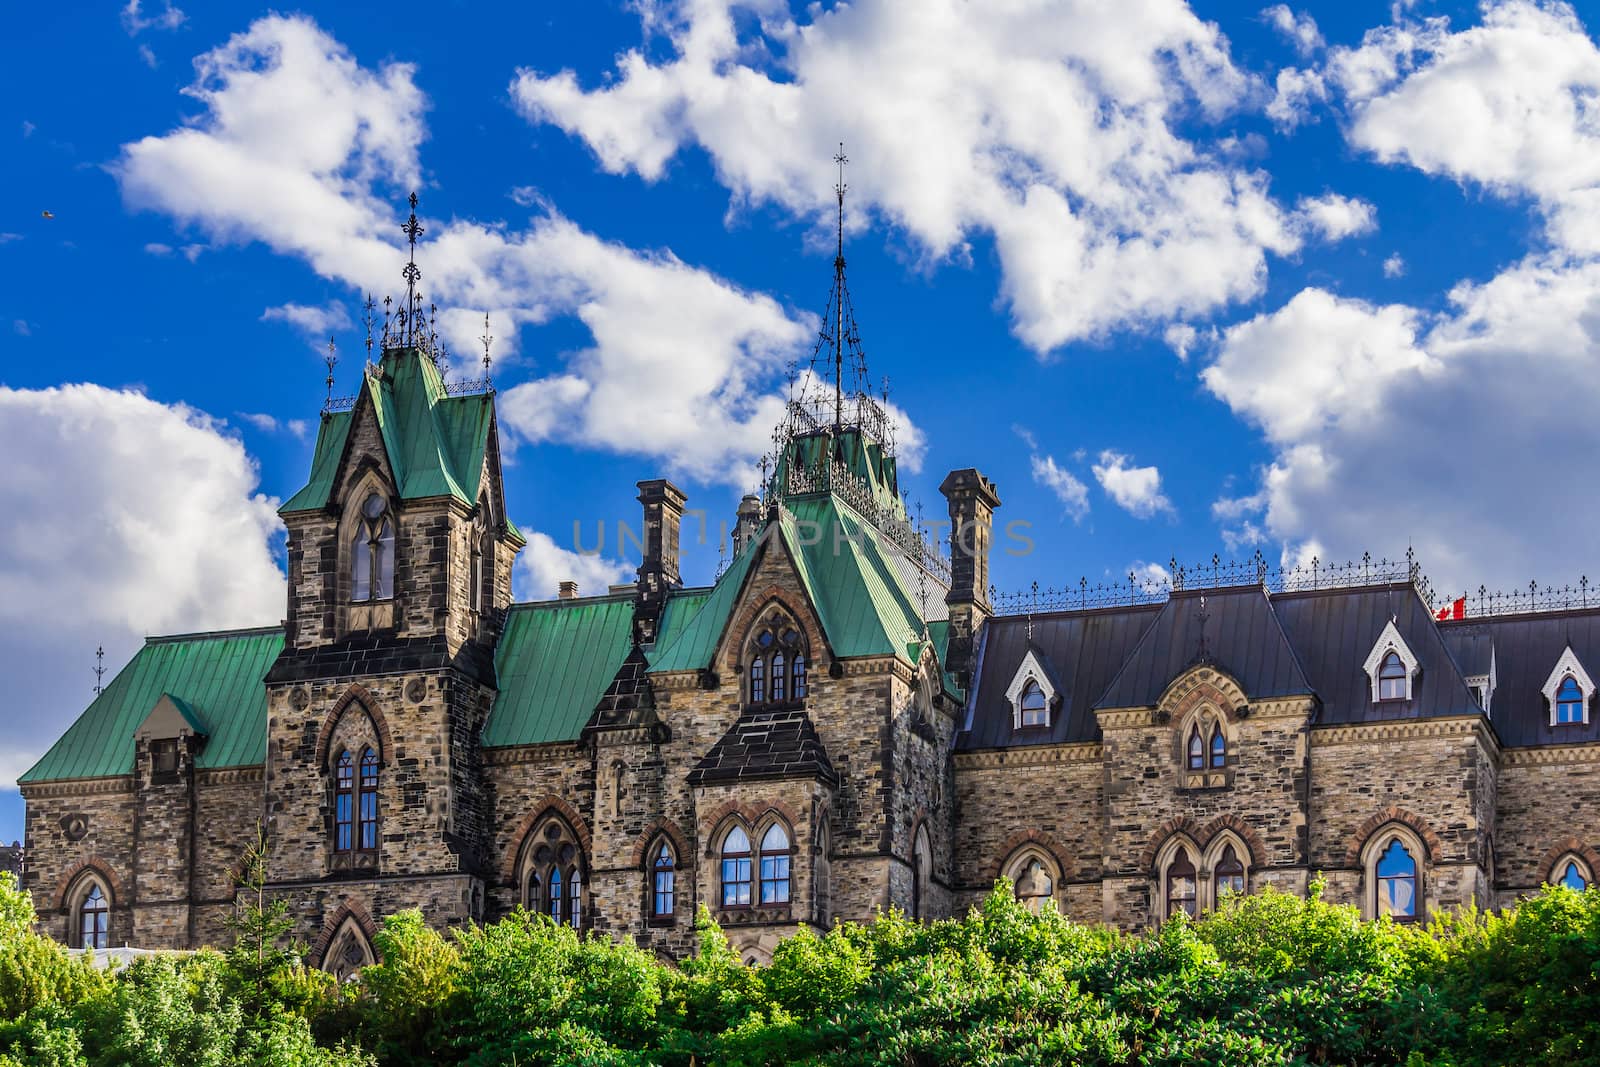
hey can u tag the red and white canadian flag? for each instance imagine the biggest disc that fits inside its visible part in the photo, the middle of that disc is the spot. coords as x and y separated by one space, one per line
1456 609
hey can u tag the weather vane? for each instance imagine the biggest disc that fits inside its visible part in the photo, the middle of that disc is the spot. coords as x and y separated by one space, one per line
99 669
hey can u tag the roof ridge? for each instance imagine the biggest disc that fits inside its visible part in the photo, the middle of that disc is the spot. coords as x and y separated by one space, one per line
205 635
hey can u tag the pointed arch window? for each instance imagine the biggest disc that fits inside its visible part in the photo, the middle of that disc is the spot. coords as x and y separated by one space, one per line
1034 707
94 919
776 663
1569 701
344 777
775 866
736 869
663 885
1392 678
1196 748
1219 748
553 899
1183 886
1572 876
921 873
552 872
372 552
368 826
1228 875
1397 881
1032 883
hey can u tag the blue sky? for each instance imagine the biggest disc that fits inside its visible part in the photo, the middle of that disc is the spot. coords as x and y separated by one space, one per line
1181 279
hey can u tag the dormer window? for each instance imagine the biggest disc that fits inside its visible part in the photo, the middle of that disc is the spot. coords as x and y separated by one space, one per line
775 669
1034 708
1569 701
1568 691
1391 667
1032 694
372 552
164 758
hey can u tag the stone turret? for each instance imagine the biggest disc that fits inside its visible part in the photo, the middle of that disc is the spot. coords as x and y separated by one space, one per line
658 572
972 499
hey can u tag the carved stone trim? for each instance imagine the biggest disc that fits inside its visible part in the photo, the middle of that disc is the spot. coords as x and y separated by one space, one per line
355 696
1378 820
78 787
1551 755
549 752
349 909
549 804
1029 756
683 853
97 866
1400 730
231 775
1202 685
1023 840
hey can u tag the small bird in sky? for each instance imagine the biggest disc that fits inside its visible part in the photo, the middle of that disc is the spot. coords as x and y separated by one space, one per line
47 214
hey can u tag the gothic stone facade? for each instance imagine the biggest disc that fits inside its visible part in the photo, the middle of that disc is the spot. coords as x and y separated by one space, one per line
839 725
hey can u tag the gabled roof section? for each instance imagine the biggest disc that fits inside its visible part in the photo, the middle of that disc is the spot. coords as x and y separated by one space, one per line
170 717
435 442
555 660
1334 631
689 635
763 745
217 677
1526 649
1242 637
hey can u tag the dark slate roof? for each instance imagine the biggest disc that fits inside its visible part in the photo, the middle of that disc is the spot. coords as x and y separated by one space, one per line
1334 631
1526 649
1081 651
1243 638
629 700
766 744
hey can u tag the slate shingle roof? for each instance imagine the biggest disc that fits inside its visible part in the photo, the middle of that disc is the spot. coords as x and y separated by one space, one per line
766 744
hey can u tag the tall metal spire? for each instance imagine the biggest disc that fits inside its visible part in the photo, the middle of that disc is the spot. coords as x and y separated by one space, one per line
412 274
99 669
332 360
487 339
838 280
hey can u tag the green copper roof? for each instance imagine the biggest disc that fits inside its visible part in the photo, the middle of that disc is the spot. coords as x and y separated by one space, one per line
868 464
214 679
435 442
693 637
554 662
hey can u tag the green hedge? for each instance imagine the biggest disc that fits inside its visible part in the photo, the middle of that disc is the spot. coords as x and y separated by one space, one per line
1266 979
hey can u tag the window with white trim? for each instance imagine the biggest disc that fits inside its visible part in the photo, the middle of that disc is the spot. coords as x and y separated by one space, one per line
1569 691
1391 667
1031 694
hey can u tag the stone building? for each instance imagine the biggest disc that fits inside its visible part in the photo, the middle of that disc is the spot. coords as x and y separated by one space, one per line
842 722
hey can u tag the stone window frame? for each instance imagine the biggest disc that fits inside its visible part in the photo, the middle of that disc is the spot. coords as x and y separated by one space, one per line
1558 869
481 565
776 618
1207 721
1210 895
755 837
653 871
1166 858
1391 641
374 613
1568 666
360 747
1020 861
349 950
543 852
921 869
77 895
1031 671
1372 851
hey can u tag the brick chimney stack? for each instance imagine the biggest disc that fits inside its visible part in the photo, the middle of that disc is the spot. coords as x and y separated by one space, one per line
568 589
972 499
663 520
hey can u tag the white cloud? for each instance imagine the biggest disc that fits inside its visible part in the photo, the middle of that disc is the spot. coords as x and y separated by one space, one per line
1507 105
1301 30
143 517
135 22
1150 576
1335 217
1394 266
543 565
293 140
1137 490
156 248
318 322
1294 92
1072 493
1451 433
1180 337
1050 128
270 424
148 55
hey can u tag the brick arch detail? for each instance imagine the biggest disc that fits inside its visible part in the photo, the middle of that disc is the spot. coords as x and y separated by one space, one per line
1572 846
545 805
1179 825
1025 839
1378 820
348 909
1203 683
1247 834
756 602
671 831
95 865
750 815
355 695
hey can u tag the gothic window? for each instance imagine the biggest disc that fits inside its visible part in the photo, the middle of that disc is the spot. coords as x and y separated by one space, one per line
776 663
1228 875
553 899
775 866
663 885
1392 678
563 894
1196 749
921 873
372 552
94 919
1034 707
1572 873
348 952
575 897
1569 701
1396 884
736 869
1032 882
552 871
1219 748
343 802
355 802
1182 884
369 800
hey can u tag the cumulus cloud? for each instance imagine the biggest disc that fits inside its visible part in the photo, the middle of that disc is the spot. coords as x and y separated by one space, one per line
143 517
1507 106
1137 490
292 141
1300 29
271 424
135 21
543 565
1394 266
1052 130
316 321
1066 487
1334 217
1390 427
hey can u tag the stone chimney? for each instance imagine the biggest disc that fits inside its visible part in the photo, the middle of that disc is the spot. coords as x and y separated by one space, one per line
972 499
746 523
663 519
568 590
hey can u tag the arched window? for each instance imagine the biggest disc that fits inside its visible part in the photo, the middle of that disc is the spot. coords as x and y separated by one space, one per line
532 897
1196 749
1570 874
344 777
736 869
1392 678
552 871
575 897
1032 883
369 800
1035 708
1228 875
776 665
553 899
94 919
921 873
1569 701
775 866
1219 748
1182 885
1396 882
663 886
372 552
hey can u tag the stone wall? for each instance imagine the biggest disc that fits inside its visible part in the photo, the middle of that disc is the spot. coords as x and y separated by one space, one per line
1547 803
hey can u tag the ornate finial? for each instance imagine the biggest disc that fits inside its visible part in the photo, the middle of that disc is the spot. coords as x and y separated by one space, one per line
838 279
487 339
367 314
99 669
1202 616
412 274
331 359
386 311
